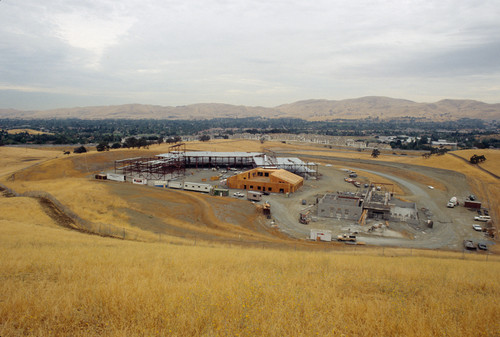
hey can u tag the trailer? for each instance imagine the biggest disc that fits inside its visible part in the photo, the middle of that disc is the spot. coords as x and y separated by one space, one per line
254 196
115 177
175 184
139 181
160 183
320 235
198 187
472 204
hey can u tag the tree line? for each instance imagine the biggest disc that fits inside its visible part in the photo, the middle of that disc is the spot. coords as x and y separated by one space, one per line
116 131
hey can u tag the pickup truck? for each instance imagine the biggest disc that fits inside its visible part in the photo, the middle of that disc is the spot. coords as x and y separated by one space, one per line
482 218
346 237
469 244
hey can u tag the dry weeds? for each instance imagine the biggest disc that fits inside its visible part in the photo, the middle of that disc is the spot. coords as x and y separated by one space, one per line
57 282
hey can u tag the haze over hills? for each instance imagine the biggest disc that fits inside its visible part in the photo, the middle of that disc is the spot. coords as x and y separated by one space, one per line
314 109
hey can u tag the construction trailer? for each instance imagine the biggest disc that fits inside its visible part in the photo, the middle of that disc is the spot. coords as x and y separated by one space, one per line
266 180
254 196
115 177
160 183
320 235
472 204
198 187
175 184
101 176
139 181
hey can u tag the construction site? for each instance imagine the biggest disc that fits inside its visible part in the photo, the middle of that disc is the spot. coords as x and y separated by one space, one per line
299 201
173 164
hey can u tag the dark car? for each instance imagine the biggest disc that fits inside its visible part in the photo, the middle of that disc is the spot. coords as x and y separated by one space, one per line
479 212
482 246
486 212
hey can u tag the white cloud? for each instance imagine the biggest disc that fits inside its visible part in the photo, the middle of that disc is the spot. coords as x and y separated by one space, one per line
249 52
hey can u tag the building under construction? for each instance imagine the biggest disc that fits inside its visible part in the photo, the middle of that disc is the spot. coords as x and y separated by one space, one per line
372 205
173 164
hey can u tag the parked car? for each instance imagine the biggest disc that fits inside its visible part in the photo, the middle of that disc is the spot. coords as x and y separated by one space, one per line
238 195
482 218
482 246
477 228
486 212
469 244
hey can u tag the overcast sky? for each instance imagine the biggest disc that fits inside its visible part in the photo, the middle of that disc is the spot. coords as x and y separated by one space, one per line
66 53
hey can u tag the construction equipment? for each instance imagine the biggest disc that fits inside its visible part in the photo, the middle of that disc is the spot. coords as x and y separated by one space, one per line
362 218
304 217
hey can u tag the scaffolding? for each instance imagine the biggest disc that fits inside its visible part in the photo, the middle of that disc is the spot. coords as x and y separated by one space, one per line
173 164
167 168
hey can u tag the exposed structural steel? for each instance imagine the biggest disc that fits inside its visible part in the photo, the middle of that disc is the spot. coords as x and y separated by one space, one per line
154 168
173 164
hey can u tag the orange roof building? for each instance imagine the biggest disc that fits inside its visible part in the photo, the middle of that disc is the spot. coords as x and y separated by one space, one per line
266 180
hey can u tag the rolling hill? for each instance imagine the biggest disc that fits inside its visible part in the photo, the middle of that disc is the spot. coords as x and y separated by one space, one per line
314 109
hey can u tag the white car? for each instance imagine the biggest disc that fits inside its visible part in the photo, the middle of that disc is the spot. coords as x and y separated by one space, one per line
477 228
482 218
238 195
430 187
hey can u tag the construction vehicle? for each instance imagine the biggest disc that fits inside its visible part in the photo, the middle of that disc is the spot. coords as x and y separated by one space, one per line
304 217
453 202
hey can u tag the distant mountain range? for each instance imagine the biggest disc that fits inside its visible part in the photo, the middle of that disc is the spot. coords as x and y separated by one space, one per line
315 110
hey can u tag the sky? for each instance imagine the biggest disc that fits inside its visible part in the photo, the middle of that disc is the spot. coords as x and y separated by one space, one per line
67 53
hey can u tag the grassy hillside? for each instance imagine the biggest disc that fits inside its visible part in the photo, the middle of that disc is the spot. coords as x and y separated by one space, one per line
58 282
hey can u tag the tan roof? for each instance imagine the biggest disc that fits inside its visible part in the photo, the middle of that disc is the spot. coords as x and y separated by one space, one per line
287 176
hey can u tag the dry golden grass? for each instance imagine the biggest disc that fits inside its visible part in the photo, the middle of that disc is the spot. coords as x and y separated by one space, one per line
492 162
29 131
57 282
24 210
16 158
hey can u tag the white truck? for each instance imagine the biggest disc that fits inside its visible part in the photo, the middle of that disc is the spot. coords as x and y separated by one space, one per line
453 202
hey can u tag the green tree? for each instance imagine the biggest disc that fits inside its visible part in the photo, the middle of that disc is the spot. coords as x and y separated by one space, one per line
102 147
80 149
375 153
